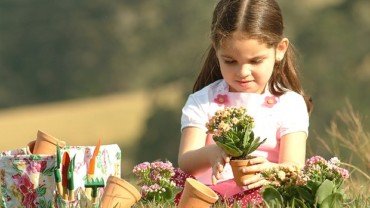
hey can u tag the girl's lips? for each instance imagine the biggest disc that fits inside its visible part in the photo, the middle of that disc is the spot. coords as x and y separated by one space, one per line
245 83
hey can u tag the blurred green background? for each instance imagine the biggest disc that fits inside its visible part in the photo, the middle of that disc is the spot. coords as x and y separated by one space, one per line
147 54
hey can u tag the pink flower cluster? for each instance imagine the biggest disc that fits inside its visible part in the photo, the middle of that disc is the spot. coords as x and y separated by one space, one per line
155 179
163 167
316 169
140 168
152 189
317 166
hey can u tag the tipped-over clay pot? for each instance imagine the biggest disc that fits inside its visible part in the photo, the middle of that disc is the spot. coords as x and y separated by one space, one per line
197 195
119 193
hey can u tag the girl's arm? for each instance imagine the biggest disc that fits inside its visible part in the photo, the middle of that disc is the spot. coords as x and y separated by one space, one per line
195 157
293 149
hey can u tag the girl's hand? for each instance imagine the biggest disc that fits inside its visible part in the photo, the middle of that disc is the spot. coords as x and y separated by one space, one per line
218 159
257 165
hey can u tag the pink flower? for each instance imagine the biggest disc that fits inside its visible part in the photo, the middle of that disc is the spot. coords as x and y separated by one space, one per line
270 101
315 160
140 168
343 172
36 166
27 189
221 99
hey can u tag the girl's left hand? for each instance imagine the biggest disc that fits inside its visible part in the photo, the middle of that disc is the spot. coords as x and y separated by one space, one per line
257 165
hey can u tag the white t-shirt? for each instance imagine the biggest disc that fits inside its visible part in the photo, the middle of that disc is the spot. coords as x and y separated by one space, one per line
287 114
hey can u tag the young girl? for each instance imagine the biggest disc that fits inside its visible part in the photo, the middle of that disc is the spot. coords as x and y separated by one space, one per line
250 63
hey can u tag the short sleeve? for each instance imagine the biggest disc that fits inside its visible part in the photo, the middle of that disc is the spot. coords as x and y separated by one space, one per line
294 116
193 114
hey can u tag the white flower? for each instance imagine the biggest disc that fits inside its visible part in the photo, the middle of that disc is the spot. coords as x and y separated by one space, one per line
334 161
281 175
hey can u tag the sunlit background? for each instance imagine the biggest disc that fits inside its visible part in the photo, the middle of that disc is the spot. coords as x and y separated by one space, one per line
122 70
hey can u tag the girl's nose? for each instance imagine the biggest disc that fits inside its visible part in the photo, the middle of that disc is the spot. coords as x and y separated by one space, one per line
245 70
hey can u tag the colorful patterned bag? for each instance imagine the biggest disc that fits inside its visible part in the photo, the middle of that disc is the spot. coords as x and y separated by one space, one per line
27 180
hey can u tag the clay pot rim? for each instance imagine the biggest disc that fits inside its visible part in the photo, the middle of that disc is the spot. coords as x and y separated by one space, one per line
240 162
207 194
44 136
128 186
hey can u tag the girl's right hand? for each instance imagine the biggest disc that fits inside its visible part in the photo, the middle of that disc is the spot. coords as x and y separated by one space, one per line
218 158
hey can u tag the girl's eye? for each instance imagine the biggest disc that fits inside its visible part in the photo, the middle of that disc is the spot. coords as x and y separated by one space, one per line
257 61
229 61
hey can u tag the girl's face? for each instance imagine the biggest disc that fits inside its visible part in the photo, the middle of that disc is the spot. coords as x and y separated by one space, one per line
246 64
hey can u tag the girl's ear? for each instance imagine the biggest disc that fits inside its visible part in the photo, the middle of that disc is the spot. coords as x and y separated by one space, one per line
281 48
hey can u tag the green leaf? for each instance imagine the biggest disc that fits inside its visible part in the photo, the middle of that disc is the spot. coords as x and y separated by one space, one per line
255 143
271 196
298 203
49 171
168 194
313 186
41 191
246 138
230 150
42 204
325 189
35 157
305 194
15 167
332 201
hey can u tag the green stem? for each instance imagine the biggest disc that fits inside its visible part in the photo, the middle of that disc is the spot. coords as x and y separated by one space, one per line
356 168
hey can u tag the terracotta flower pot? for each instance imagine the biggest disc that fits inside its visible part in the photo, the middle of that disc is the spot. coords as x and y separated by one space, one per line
119 193
30 146
239 176
46 144
197 195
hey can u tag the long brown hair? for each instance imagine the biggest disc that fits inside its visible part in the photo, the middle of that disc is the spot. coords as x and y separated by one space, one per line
257 19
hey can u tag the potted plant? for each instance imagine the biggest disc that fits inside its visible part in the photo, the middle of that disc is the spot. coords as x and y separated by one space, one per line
318 184
232 130
156 182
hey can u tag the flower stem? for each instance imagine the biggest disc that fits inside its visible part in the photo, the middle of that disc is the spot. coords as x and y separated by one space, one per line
356 168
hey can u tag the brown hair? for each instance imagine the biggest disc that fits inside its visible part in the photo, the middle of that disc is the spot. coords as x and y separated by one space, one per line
258 19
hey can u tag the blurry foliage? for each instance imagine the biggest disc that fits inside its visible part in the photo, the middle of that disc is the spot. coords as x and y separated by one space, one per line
332 41
346 138
160 141
55 50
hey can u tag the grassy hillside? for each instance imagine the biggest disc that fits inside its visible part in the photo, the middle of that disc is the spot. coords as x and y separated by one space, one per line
79 122
117 118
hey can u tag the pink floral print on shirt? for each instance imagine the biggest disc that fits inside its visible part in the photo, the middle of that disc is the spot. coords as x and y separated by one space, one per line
270 101
221 99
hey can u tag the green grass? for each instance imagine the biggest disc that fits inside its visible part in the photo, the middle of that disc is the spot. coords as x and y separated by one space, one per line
120 118
116 119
